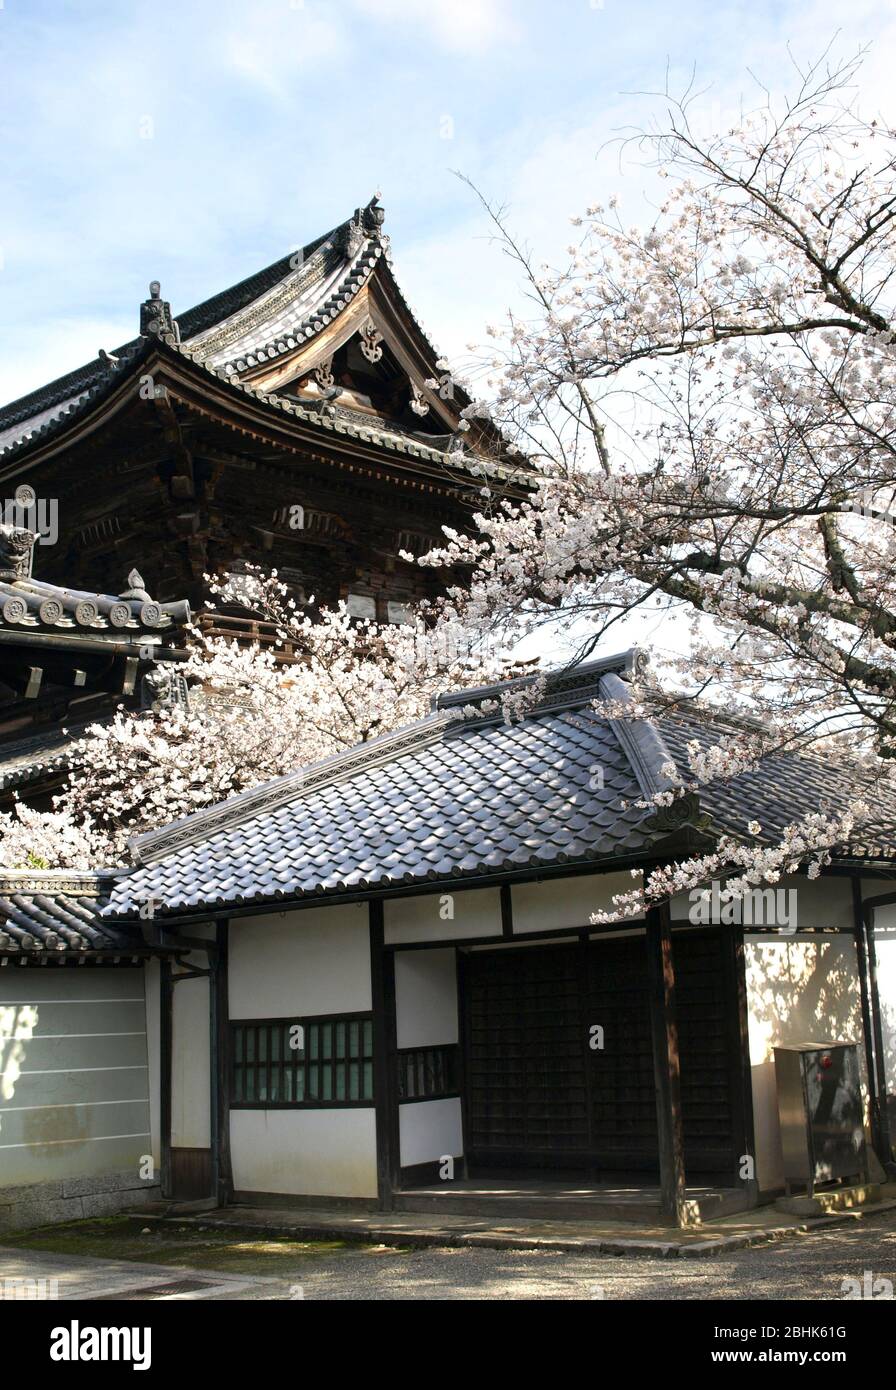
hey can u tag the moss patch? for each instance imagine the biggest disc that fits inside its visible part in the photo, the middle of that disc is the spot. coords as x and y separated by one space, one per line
231 1251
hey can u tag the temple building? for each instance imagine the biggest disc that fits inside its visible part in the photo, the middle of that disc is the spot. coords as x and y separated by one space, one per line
383 981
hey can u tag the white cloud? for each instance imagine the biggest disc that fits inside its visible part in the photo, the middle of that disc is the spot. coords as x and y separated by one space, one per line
274 45
461 25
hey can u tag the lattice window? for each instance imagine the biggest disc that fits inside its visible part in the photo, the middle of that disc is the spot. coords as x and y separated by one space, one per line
286 1062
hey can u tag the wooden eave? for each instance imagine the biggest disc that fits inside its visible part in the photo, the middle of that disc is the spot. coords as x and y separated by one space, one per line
274 423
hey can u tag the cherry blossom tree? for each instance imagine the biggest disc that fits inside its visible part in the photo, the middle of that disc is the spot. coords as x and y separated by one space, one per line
250 717
712 398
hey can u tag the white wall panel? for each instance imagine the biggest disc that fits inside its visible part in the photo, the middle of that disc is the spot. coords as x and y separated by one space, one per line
566 902
443 917
798 989
426 997
300 963
326 1153
429 1130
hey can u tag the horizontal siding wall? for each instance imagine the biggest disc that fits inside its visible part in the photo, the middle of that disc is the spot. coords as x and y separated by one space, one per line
74 1081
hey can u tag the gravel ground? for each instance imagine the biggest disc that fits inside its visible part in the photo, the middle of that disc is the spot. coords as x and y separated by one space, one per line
800 1267
807 1267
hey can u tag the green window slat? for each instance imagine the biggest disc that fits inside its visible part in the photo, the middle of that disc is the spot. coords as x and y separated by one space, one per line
335 1068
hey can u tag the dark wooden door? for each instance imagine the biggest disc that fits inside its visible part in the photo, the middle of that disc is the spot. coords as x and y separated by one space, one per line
525 1063
539 1095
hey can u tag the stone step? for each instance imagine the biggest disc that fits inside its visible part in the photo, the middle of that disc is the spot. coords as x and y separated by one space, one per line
638 1208
835 1199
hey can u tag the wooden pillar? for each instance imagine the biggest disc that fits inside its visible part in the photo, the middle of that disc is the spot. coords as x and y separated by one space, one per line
740 1077
382 988
219 997
883 1118
666 1064
166 998
867 1026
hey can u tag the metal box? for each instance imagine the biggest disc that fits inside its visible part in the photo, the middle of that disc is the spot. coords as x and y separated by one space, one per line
820 1113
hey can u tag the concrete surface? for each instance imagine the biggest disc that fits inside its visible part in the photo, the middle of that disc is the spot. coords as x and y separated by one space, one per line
761 1225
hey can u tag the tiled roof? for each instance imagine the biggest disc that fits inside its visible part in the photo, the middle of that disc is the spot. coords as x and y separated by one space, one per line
55 915
445 799
26 759
453 799
69 617
305 313
785 788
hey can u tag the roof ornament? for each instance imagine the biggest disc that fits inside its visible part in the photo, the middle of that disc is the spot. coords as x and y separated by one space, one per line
457 444
16 549
164 688
136 588
363 226
374 215
371 338
323 374
419 404
155 315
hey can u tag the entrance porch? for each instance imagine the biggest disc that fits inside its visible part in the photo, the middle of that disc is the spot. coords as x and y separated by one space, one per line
553 1199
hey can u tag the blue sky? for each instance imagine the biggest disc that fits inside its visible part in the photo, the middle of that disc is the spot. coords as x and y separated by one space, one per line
194 142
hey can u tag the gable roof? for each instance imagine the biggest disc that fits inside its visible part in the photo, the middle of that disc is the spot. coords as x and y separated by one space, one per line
242 334
455 798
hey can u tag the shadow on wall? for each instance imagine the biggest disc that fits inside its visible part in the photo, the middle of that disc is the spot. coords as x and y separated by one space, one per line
17 1025
798 990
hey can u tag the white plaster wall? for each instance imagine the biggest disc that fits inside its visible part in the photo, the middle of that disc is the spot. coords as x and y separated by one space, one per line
798 989
443 917
191 1065
316 961
325 1153
566 902
810 902
429 1130
426 997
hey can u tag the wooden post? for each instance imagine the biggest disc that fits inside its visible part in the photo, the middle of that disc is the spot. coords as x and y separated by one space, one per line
382 989
740 1078
883 1118
867 1026
666 1064
218 985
